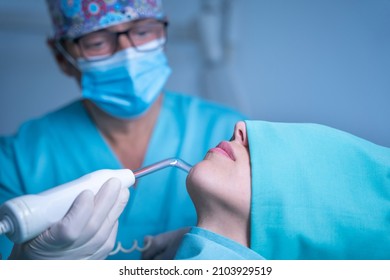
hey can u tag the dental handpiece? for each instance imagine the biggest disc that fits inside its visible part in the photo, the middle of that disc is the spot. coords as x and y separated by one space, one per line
25 217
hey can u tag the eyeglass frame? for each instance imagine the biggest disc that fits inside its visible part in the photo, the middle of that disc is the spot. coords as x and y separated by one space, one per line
60 48
117 34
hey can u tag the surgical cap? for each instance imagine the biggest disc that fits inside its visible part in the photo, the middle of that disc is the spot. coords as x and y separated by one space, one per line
318 193
73 18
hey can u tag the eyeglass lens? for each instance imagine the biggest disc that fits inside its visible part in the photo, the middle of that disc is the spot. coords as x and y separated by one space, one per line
105 42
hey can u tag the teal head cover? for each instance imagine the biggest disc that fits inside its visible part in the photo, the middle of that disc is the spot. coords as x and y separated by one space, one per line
318 193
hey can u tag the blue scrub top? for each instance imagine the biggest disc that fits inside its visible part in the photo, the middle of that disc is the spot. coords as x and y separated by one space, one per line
66 144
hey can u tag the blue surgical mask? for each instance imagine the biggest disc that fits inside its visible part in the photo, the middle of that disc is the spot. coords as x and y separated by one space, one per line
126 84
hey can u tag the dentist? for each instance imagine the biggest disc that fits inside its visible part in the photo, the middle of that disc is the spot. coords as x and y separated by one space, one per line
114 49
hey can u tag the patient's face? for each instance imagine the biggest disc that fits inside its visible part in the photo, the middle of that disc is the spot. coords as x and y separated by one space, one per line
221 183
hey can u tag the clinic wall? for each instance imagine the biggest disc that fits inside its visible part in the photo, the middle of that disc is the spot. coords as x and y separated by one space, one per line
289 61
318 61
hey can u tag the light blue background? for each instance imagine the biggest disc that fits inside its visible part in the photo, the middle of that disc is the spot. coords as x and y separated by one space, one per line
291 61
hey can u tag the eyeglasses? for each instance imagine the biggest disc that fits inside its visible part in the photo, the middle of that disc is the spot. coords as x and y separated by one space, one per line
104 43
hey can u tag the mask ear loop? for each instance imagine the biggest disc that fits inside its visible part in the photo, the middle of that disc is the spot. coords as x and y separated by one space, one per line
135 247
67 56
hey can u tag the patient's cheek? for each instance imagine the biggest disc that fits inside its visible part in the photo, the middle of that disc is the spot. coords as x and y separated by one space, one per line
196 179
202 182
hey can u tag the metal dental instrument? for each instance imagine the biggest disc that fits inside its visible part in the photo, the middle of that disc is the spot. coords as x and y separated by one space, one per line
171 162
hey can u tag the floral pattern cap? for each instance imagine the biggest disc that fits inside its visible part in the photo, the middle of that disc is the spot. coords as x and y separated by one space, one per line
73 18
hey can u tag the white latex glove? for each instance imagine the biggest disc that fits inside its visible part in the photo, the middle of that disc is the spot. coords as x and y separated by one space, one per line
88 231
164 246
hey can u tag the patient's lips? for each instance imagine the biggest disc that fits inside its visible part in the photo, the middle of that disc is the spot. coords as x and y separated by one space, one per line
225 149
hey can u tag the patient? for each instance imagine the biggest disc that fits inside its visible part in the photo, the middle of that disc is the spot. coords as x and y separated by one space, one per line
290 191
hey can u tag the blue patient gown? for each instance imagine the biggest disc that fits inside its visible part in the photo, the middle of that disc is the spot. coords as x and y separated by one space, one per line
64 145
201 244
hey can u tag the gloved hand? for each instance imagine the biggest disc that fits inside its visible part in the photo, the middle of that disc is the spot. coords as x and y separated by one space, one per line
88 231
163 246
